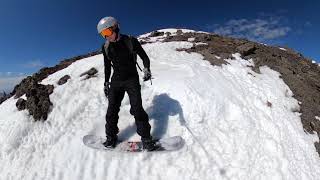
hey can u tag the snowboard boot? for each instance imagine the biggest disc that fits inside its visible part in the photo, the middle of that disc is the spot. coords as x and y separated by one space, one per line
111 142
148 144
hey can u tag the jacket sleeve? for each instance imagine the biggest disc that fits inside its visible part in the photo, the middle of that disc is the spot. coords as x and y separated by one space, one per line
107 65
140 51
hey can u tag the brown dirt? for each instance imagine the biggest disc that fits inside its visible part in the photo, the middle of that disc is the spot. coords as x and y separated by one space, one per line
298 72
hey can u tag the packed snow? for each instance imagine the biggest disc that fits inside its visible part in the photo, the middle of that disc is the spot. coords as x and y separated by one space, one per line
172 31
200 43
236 124
263 44
191 39
283 49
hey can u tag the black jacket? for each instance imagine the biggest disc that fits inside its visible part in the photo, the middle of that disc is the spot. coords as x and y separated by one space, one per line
123 61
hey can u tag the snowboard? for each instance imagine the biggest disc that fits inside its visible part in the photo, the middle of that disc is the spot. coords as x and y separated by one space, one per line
163 144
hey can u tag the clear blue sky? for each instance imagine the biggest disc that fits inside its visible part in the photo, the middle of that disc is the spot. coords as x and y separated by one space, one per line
37 33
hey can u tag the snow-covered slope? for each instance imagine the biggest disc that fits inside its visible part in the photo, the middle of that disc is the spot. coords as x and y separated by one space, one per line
237 124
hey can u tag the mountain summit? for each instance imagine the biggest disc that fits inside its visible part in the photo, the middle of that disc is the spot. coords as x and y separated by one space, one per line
246 111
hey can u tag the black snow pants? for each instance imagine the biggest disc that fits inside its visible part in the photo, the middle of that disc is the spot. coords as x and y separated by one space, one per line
115 96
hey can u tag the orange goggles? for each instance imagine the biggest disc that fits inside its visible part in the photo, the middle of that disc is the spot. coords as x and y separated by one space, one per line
106 32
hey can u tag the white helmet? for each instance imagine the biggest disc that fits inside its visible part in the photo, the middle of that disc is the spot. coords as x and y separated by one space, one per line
106 22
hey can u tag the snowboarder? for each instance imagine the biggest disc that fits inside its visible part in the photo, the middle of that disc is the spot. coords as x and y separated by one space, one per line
120 52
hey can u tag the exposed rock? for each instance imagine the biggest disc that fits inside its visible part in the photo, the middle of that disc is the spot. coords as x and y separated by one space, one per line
305 69
179 32
225 55
25 86
246 49
317 144
50 88
63 80
21 104
299 73
4 96
142 42
156 33
43 73
38 102
2 99
90 73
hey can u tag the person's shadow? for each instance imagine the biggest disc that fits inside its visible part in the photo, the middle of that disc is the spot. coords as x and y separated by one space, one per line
162 107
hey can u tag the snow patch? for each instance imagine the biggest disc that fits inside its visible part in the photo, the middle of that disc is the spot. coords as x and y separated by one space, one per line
263 44
173 32
200 43
191 39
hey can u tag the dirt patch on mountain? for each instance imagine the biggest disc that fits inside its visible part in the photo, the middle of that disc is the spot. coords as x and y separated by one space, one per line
298 72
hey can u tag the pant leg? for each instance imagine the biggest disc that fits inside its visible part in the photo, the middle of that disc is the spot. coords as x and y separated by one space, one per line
115 97
133 89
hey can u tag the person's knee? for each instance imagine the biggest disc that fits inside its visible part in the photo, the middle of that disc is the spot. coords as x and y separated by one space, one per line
139 115
136 111
113 109
112 114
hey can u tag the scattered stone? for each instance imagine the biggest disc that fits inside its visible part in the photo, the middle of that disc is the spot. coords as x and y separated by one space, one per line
225 56
305 69
142 42
4 96
299 73
63 80
50 88
90 73
317 145
156 33
43 73
24 86
246 49
312 125
38 102
21 104
179 32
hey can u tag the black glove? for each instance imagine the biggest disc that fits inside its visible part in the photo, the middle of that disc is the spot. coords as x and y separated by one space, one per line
147 74
106 88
